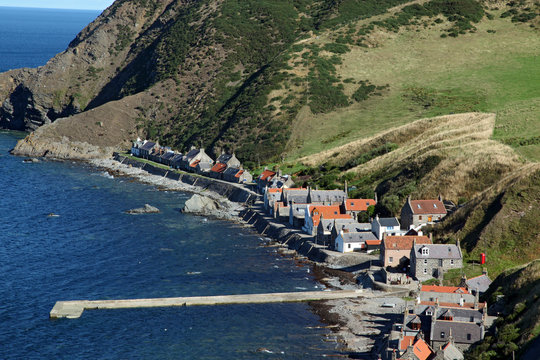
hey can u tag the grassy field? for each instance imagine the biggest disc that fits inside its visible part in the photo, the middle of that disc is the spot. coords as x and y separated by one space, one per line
485 71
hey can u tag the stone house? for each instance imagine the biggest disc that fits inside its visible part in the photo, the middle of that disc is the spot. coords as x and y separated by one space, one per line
230 160
270 197
167 157
296 195
326 197
176 161
446 294
237 175
388 226
146 149
265 179
193 158
135 148
217 170
432 260
297 214
396 250
417 213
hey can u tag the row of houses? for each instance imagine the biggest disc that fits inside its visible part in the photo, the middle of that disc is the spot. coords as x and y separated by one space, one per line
442 323
226 167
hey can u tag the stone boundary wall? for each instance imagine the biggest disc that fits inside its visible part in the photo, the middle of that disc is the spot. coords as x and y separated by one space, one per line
233 192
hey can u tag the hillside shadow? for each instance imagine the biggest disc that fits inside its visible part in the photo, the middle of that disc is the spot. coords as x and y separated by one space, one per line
471 239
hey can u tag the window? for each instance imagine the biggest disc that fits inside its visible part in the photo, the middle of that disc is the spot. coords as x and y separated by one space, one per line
469 337
435 206
425 261
390 259
442 334
420 217
349 246
429 312
389 228
425 271
451 261
440 262
472 318
425 251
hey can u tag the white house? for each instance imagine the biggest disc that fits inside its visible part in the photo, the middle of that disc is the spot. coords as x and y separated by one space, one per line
388 226
348 242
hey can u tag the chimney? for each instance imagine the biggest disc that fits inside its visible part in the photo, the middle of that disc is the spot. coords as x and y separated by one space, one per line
431 238
461 301
409 200
440 197
346 190
376 198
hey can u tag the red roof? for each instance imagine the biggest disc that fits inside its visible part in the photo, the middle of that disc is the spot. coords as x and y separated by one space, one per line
267 175
219 167
328 212
407 341
195 163
404 242
445 289
274 190
238 174
373 242
421 207
358 204
422 350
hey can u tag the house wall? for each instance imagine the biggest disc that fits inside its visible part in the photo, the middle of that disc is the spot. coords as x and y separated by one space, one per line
406 217
348 247
398 257
431 266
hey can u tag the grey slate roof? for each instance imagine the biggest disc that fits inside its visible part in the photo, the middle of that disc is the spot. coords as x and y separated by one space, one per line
204 166
480 283
223 158
451 352
232 172
358 237
148 146
191 154
328 224
297 198
438 251
354 226
177 158
440 331
327 195
168 155
389 222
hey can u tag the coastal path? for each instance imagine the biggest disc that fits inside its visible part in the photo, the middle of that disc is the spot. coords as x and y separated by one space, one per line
74 309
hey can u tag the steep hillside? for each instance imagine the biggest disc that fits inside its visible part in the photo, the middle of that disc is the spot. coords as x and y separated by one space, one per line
309 76
519 324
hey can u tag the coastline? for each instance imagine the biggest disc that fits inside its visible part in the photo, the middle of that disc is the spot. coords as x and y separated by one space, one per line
358 325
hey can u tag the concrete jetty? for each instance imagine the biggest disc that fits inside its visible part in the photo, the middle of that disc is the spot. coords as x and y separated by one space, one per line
74 309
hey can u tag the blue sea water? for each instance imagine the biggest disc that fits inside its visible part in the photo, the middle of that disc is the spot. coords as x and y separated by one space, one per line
30 37
93 250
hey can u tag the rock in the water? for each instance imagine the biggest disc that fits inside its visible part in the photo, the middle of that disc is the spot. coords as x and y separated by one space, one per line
199 204
146 209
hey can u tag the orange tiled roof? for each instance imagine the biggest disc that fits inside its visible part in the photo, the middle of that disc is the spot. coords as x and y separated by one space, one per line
422 350
238 174
274 190
267 174
454 305
219 167
328 212
195 163
407 341
373 242
359 204
445 289
427 207
404 242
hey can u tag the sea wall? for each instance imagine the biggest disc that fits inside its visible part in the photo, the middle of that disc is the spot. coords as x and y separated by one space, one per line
233 192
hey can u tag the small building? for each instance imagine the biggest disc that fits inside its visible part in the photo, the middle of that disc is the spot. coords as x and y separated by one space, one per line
217 170
396 250
166 158
414 348
325 229
176 160
388 226
355 207
146 149
265 179
417 213
479 283
230 160
462 334
348 242
296 195
236 175
135 148
446 294
326 197
203 167
270 197
193 158
432 260
314 213
297 213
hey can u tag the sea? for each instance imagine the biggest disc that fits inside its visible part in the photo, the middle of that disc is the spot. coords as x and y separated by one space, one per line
64 235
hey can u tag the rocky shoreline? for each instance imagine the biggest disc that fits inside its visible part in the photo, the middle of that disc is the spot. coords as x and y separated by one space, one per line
355 323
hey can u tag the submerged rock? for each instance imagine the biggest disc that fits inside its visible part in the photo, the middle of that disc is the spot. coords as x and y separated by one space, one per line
146 209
